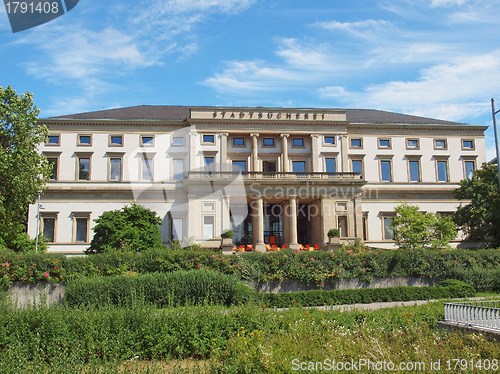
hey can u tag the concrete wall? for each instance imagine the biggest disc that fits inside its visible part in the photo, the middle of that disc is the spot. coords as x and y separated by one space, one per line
24 294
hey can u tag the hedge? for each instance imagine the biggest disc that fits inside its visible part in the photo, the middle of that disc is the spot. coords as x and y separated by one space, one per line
161 290
480 268
450 289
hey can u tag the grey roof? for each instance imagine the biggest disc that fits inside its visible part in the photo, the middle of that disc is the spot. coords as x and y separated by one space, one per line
181 113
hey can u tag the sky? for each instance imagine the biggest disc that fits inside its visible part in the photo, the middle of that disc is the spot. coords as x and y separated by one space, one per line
433 58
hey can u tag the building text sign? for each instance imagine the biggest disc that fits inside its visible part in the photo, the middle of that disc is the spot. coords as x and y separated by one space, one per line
270 115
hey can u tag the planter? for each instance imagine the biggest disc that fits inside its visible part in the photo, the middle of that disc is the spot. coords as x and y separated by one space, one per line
227 245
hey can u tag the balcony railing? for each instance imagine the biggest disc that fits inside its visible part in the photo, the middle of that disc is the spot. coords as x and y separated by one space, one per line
258 175
484 314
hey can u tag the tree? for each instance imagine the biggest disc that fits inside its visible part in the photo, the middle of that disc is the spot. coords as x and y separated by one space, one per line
480 219
415 230
23 171
132 228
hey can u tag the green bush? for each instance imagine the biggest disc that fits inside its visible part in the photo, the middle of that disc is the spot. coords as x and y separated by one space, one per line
159 289
448 289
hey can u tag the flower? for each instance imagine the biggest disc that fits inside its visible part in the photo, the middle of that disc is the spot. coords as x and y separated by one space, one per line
55 268
45 274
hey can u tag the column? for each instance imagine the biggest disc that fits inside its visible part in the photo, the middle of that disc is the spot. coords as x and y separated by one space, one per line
255 152
314 152
292 212
284 146
351 225
285 222
192 151
358 208
344 152
223 152
258 225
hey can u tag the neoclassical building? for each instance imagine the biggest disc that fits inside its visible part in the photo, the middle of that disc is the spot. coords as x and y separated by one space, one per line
273 175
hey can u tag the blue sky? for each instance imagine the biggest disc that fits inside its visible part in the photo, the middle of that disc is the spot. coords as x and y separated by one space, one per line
435 58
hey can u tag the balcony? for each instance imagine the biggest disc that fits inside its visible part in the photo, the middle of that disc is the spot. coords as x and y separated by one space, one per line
274 176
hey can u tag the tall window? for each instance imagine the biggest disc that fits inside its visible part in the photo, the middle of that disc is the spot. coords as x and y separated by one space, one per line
115 169
49 225
357 166
208 227
330 165
385 170
209 163
146 169
84 168
414 168
269 166
239 166
177 169
388 232
53 162
177 229
442 171
469 169
299 166
81 227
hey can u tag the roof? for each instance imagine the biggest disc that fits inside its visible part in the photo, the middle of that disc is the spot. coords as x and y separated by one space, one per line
181 113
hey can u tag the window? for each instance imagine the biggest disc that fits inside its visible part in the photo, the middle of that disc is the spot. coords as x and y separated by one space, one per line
83 168
440 144
330 165
238 142
115 169
469 167
356 143
81 227
53 162
467 144
177 140
84 139
209 163
442 171
385 171
269 166
388 231
357 166
414 170
177 169
239 166
297 142
412 144
147 141
268 142
329 140
116 140
208 139
342 225
209 206
177 229
48 226
146 169
208 227
299 166
53 140
384 143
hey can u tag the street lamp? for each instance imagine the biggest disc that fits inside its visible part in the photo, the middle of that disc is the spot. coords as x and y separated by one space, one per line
496 138
38 222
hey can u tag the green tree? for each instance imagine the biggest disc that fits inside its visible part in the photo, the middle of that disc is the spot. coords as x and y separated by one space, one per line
132 228
23 171
414 230
480 218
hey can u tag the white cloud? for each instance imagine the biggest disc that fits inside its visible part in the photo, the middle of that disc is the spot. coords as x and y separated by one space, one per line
445 3
448 91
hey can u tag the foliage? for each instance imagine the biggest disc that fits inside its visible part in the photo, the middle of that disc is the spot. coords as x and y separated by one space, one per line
159 289
414 230
333 233
23 171
480 219
366 295
227 234
133 228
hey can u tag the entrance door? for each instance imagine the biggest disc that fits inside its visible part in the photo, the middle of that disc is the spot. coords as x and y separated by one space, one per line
343 226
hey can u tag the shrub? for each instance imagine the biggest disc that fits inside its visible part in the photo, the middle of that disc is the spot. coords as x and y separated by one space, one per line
227 234
133 228
333 233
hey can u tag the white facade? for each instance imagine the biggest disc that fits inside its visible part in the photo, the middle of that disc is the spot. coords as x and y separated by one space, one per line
303 172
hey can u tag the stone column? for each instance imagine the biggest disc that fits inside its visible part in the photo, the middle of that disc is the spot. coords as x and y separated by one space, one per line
344 153
285 223
314 152
258 225
223 151
192 151
284 146
358 209
292 212
351 225
255 152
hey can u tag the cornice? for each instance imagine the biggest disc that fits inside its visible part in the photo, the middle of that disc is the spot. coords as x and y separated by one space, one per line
410 126
110 122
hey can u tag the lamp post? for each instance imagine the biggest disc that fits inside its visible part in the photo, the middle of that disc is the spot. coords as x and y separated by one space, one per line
496 138
37 222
